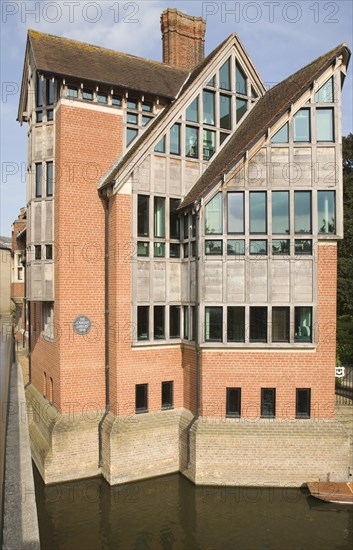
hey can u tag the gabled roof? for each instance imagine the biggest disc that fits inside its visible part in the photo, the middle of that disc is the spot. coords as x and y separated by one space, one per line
66 57
122 162
263 115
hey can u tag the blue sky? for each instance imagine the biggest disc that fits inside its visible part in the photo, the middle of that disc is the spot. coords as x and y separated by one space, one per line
280 37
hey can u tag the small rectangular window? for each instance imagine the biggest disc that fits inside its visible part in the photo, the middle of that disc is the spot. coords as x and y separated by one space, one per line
48 326
192 112
142 215
281 136
141 398
258 212
131 118
281 247
49 251
174 221
191 142
258 247
258 324
174 250
37 252
143 248
208 107
214 248
224 76
236 247
87 95
280 212
50 179
167 395
302 211
72 92
214 216
50 91
131 104
146 120
193 323
160 146
175 140
241 107
303 246
324 125
213 324
39 117
222 137
235 212
174 321
225 113
280 324
186 226
268 402
326 208
209 144
39 91
303 403
147 106
186 322
131 134
159 217
116 101
143 322
186 250
159 250
233 404
159 323
303 324
241 84
301 121
39 175
236 324
50 115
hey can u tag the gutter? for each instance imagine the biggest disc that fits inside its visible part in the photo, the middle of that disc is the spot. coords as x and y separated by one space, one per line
106 332
196 210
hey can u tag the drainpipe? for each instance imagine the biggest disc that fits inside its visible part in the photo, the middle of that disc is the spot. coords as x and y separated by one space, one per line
106 331
196 211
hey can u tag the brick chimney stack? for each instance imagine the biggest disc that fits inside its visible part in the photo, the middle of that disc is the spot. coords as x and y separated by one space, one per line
183 39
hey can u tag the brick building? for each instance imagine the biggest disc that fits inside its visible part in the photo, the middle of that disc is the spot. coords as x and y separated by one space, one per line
18 279
181 251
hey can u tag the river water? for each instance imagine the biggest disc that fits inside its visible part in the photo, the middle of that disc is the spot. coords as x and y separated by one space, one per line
170 513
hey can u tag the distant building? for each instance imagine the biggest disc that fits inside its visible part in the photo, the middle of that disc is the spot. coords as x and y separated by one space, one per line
5 276
18 285
181 261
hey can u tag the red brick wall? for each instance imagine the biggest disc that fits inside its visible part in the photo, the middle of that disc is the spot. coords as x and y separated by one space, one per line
284 371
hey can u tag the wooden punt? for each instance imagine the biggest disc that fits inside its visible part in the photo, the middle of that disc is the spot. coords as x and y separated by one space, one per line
340 492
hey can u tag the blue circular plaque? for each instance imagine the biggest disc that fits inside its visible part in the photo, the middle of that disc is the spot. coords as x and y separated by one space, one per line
82 324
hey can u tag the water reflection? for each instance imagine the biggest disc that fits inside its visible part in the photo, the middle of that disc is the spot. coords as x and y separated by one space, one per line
170 513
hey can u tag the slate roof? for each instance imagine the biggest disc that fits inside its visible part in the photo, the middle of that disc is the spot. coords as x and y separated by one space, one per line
264 114
66 57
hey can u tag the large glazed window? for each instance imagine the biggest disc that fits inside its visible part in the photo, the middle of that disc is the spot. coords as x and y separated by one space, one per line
175 139
142 323
236 324
302 211
240 80
209 144
224 76
302 324
225 112
236 212
258 324
213 216
258 212
208 107
142 215
324 124
280 324
302 125
280 212
159 217
213 324
326 216
191 142
192 112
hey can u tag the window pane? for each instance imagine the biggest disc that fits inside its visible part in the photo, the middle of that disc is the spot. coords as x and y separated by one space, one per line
193 323
208 107
224 76
147 107
131 104
258 212
142 215
268 402
159 250
102 98
281 136
324 124
174 322
258 324
49 251
280 246
213 215
158 323
141 397
39 91
192 112
175 139
131 134
146 120
225 112
167 395
50 179
236 247
240 80
258 247
209 144
116 101
142 249
326 212
50 115
131 118
186 322
142 322
174 222
236 324
186 226
303 398
159 217
212 82
223 137
213 247
50 91
280 212
302 324
186 250
235 212
39 116
213 324
302 211
254 95
174 250
39 179
325 93
280 324
303 246
160 147
241 108
233 406
302 125
37 252
72 92
191 142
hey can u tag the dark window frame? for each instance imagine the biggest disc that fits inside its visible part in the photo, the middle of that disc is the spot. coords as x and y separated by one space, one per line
168 405
305 414
144 389
273 413
236 413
